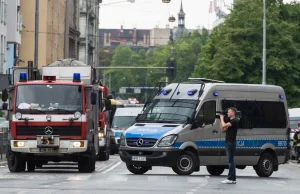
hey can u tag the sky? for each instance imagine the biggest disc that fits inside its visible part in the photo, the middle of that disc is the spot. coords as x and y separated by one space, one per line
147 14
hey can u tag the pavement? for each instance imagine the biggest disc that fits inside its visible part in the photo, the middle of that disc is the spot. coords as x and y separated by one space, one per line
112 177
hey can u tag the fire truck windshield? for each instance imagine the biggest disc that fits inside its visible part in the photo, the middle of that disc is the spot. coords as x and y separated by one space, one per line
49 98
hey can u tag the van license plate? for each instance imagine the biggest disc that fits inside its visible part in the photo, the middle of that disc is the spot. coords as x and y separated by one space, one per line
47 150
138 158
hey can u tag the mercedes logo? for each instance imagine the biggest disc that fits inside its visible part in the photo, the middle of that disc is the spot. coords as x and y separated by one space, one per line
48 130
139 142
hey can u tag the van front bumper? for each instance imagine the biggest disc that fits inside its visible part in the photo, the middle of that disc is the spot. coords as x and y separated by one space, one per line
154 156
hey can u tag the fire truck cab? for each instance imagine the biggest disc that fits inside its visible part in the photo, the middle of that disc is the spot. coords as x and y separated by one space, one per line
60 117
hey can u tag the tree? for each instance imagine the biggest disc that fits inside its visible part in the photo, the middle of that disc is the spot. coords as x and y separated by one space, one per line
234 52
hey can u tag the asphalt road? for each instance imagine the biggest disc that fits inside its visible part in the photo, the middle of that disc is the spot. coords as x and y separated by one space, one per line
112 177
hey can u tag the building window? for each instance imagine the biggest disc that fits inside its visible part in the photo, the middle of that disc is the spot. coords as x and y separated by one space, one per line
259 114
1 10
5 13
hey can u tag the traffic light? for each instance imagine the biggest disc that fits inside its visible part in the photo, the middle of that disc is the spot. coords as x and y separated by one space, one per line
171 68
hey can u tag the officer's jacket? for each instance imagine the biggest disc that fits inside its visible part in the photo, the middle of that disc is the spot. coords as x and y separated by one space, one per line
297 139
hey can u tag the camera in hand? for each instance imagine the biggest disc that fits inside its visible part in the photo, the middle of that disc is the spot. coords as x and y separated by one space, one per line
223 112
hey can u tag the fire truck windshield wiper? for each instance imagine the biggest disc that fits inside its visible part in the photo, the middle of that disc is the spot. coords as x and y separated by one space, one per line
65 110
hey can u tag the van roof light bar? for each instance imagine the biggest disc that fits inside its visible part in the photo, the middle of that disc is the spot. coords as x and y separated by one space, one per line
204 80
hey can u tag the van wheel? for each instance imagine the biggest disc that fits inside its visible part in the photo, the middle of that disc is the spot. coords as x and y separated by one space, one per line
215 170
137 169
186 163
265 165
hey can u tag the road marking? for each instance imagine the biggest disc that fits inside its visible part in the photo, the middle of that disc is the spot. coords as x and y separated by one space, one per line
194 190
196 180
189 193
157 178
46 185
111 168
198 187
79 177
208 177
22 192
117 178
276 183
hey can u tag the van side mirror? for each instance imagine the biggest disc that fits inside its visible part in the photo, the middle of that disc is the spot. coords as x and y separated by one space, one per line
199 120
4 95
93 98
107 104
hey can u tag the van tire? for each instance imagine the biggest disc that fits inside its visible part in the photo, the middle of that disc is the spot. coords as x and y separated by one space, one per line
215 170
137 169
191 165
265 165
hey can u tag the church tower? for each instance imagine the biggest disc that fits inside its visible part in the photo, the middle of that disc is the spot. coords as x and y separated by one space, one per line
181 17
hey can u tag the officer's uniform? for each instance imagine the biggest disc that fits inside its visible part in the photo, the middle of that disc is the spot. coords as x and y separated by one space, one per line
297 145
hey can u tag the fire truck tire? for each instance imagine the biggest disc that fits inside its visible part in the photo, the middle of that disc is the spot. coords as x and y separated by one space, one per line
14 161
30 166
88 164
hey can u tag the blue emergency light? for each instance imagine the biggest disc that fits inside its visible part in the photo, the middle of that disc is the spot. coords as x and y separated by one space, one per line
166 92
216 93
76 77
192 92
23 77
281 96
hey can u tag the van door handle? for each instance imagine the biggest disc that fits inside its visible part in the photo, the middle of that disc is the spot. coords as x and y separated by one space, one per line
215 131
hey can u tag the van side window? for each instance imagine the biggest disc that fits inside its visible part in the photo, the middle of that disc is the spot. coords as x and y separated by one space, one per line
208 109
259 114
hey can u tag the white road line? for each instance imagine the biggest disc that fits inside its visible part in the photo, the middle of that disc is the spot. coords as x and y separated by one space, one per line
117 178
194 190
198 187
22 192
208 177
157 178
79 177
46 185
111 168
189 193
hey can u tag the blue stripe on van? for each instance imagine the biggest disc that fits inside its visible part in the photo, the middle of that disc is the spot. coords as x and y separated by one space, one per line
154 132
240 143
118 133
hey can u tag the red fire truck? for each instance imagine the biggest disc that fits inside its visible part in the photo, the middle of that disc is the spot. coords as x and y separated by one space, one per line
57 113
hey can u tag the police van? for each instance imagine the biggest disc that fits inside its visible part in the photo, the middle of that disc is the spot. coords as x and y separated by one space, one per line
180 129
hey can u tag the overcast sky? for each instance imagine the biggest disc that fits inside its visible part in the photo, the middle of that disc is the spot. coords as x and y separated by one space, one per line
146 14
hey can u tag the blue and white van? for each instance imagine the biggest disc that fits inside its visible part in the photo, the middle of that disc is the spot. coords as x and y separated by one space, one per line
180 129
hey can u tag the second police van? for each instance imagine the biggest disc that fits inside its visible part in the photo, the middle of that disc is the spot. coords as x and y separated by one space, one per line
180 129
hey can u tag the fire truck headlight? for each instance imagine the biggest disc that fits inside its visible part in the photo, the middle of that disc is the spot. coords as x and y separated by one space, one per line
77 115
18 115
78 144
19 143
101 135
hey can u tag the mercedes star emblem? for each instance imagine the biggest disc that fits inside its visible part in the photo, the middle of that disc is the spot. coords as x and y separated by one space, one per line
48 130
139 142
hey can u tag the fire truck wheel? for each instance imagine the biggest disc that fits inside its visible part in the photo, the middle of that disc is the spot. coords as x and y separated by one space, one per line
30 166
14 161
88 164
137 169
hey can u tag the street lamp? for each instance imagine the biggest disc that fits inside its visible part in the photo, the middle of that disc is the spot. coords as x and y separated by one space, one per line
166 1
87 27
264 46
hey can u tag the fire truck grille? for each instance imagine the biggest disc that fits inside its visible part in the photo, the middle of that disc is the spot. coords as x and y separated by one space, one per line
56 130
143 142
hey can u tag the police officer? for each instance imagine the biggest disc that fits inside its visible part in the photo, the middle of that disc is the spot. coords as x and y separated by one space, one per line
297 145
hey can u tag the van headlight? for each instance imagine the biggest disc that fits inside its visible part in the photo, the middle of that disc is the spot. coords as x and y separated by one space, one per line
167 141
122 140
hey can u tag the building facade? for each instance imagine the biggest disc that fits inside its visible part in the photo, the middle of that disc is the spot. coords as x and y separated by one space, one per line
52 15
14 29
3 34
90 7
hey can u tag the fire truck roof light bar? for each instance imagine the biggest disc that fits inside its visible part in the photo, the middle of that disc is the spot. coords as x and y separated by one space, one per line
76 77
23 77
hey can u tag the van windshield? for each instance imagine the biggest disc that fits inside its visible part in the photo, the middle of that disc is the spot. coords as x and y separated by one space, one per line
122 121
173 111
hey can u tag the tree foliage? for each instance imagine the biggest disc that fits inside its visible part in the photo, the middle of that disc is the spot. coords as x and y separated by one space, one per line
234 52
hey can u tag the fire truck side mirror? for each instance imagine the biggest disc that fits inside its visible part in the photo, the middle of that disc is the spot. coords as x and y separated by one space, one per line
93 98
4 95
